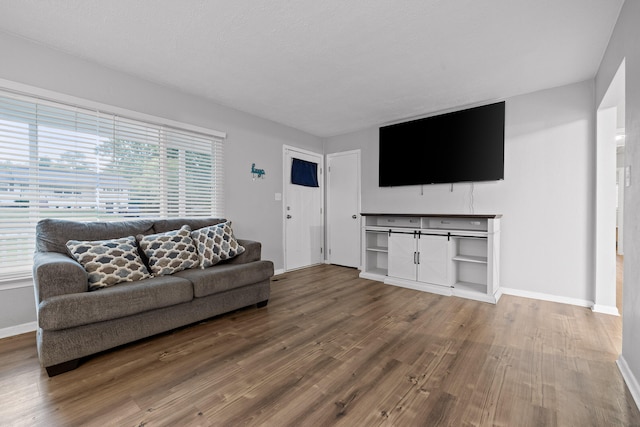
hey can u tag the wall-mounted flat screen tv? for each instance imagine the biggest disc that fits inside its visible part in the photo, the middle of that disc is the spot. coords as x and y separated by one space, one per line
461 146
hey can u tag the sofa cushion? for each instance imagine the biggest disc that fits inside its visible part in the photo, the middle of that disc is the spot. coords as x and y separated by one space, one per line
224 277
170 224
53 234
252 252
125 299
216 243
169 252
109 262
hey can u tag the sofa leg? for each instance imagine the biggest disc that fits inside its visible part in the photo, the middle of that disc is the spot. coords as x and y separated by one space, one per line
63 367
263 303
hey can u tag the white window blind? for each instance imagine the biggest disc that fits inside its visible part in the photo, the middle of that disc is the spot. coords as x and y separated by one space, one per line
60 161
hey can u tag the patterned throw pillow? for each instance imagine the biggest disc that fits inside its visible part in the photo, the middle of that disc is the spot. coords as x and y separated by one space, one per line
169 252
216 243
109 261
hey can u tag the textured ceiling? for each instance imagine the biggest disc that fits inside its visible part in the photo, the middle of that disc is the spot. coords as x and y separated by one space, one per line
331 66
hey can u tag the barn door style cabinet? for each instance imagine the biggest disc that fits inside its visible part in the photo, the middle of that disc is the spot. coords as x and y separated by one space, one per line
444 254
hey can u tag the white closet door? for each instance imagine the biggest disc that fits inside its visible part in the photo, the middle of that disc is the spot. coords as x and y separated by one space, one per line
402 256
434 260
343 208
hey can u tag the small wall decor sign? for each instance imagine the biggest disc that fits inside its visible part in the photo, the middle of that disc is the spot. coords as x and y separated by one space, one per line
257 173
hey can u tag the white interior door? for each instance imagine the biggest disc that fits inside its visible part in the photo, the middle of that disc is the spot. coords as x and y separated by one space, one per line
343 208
303 215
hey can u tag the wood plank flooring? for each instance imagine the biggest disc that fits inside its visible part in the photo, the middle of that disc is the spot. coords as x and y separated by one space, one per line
334 349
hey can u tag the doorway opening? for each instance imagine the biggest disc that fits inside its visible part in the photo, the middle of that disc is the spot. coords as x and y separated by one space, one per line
620 186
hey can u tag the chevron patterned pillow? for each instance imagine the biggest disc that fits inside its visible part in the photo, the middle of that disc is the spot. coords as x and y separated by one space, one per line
216 243
169 252
109 262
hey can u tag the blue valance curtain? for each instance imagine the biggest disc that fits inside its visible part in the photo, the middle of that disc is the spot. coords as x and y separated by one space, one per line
304 173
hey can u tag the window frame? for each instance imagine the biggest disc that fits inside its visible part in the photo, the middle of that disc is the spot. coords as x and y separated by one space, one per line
18 278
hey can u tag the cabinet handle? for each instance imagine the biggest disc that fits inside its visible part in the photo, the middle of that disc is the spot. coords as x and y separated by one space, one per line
418 258
414 257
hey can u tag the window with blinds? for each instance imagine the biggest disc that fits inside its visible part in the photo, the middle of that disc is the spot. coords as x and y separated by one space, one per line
58 161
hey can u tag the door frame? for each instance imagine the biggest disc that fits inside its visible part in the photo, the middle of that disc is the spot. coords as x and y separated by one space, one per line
605 257
328 243
285 150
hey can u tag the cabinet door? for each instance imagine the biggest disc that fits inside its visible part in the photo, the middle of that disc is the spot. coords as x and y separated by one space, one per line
434 260
402 249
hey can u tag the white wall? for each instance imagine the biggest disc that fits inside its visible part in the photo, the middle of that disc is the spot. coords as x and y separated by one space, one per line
17 309
547 196
250 139
624 46
606 195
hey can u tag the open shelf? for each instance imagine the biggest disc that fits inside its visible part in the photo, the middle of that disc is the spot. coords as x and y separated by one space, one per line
471 287
376 244
378 271
471 258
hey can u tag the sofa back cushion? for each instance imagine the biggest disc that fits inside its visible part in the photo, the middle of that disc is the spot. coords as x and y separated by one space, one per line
53 234
170 224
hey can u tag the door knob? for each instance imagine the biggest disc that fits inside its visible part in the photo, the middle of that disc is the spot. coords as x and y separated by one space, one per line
354 216
288 216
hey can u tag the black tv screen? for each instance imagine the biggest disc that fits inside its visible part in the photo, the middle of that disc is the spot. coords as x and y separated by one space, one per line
461 146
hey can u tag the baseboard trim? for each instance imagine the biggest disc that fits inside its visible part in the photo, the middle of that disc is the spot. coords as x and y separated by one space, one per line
16 284
18 329
605 309
419 286
546 297
278 271
629 379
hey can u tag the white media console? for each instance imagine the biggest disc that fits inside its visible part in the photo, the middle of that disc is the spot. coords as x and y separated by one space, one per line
444 254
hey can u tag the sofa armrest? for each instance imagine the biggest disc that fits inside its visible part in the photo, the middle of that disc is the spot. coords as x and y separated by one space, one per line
252 252
57 274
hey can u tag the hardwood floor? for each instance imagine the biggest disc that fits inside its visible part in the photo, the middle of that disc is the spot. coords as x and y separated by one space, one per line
333 349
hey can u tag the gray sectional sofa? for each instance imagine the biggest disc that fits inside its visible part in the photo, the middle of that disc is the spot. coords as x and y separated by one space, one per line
74 322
